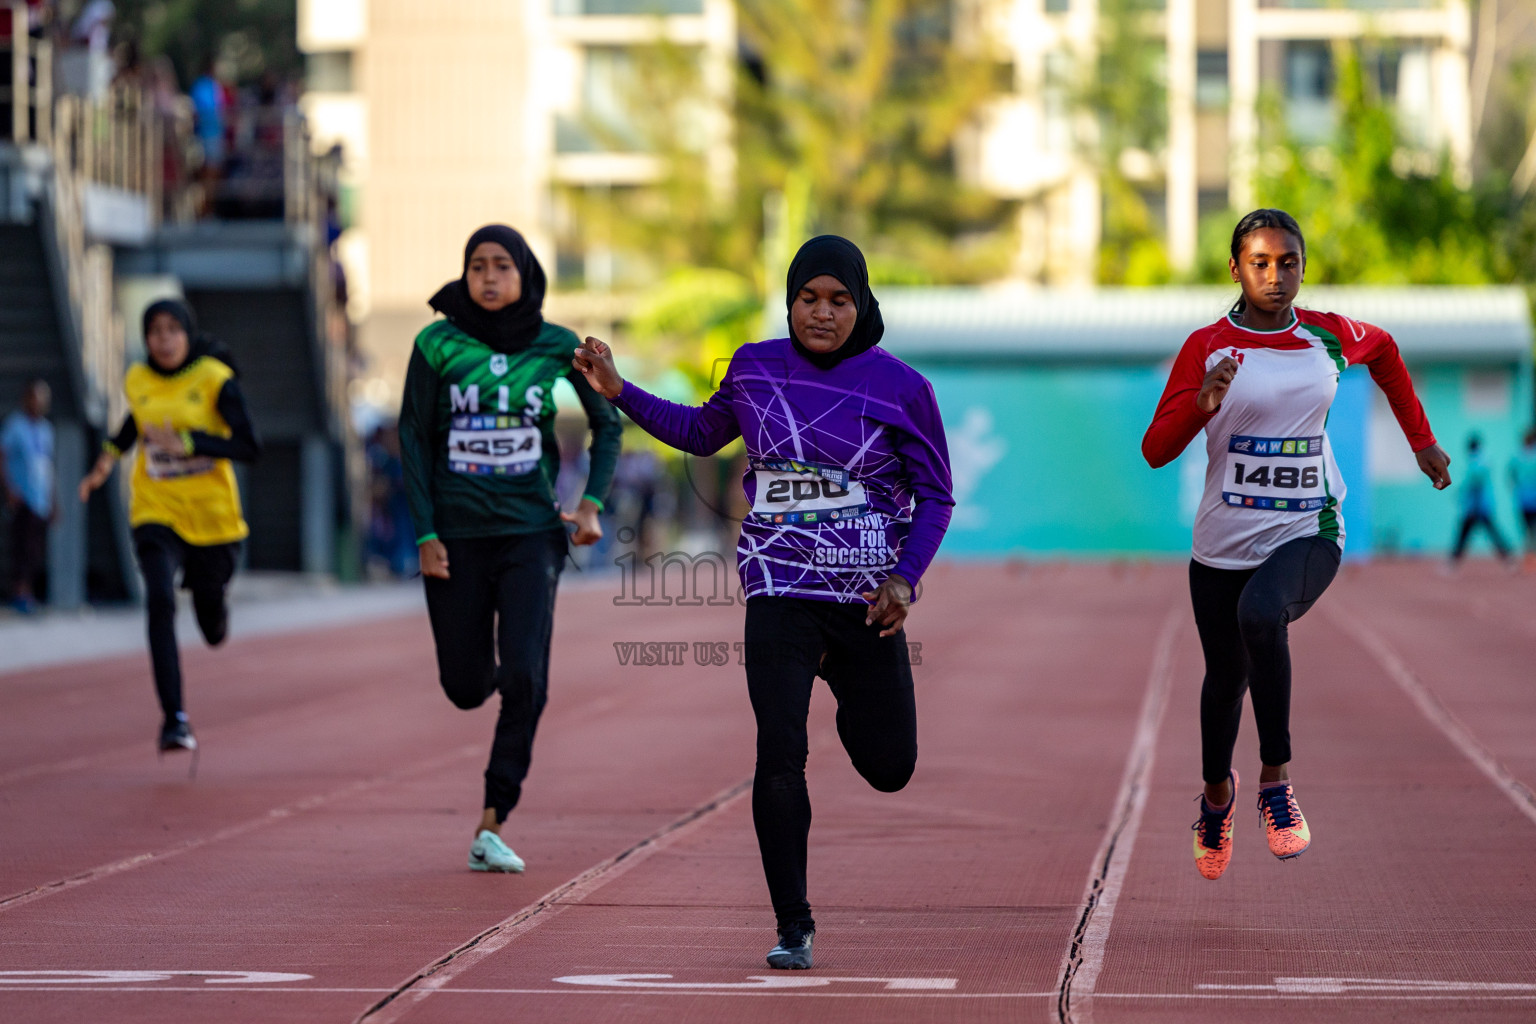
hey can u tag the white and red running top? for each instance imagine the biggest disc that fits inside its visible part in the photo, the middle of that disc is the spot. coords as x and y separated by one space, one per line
1271 477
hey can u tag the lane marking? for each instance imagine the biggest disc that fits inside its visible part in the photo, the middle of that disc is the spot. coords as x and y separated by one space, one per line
434 976
1266 995
1085 953
754 981
1440 716
103 977
1335 986
277 814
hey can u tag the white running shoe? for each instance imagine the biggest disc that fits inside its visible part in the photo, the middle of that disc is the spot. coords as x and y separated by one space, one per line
489 853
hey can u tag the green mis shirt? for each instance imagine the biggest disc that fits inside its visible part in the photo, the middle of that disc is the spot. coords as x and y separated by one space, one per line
477 435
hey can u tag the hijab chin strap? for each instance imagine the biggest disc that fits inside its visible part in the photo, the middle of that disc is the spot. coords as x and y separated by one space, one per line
513 327
836 256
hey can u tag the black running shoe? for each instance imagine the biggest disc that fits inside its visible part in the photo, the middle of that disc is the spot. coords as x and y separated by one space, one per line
793 953
213 620
177 735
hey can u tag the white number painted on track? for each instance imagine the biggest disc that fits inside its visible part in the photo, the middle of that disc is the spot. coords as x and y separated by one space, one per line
753 981
1402 986
146 977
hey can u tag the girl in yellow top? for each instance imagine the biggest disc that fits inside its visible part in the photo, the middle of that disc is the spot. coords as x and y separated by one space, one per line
188 416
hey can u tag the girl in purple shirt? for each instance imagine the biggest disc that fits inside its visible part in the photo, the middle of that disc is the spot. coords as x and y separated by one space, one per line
849 485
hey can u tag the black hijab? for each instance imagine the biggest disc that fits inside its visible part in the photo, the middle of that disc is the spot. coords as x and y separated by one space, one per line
512 328
198 344
835 255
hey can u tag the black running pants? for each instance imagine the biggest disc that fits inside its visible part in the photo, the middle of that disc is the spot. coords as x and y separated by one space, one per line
871 679
206 570
492 620
1242 616
1471 521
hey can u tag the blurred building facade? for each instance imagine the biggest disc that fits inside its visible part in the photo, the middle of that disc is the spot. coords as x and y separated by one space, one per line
1222 59
453 114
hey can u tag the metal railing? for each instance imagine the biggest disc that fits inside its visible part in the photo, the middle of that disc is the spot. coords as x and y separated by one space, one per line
115 141
26 94
87 276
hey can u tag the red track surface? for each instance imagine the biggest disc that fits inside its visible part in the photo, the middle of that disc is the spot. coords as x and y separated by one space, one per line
1038 864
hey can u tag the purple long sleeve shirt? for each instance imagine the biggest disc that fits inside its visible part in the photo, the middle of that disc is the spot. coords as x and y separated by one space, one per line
847 472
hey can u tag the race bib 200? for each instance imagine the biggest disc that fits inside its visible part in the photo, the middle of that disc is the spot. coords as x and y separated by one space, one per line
498 445
1276 474
804 492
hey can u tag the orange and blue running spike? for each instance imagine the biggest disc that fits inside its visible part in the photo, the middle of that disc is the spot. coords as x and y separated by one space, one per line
1213 836
1286 828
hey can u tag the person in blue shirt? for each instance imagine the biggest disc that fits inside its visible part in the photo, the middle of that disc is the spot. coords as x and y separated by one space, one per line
1477 502
1522 474
26 445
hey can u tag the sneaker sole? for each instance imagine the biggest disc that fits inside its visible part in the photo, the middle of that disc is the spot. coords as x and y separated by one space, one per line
1293 856
493 869
790 963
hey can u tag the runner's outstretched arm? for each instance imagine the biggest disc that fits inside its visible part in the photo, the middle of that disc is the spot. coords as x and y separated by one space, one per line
418 443
697 430
1179 417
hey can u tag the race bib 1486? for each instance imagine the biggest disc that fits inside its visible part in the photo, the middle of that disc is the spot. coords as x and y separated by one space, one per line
804 492
497 445
1277 474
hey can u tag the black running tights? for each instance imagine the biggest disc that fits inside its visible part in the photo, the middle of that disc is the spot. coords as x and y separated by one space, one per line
1243 615
871 679
206 570
491 620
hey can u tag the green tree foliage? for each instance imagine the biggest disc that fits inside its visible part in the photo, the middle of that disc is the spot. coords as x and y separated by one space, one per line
1378 210
248 37
841 119
1123 93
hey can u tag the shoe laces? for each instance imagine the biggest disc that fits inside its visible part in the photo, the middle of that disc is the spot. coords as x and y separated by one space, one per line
794 936
1278 804
1210 826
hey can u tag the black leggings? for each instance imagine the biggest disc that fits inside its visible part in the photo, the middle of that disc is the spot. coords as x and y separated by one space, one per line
870 678
1471 521
1242 615
498 605
206 570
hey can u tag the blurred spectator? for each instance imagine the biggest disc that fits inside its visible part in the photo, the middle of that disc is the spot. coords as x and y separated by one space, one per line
169 107
635 487
391 538
26 457
1522 473
93 26
1477 502
210 109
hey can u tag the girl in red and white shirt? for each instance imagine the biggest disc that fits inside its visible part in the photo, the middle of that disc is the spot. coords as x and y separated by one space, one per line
1269 532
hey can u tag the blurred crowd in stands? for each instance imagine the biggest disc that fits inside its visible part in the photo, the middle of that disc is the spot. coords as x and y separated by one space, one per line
224 143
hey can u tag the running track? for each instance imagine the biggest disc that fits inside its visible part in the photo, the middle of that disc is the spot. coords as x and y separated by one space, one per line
1037 868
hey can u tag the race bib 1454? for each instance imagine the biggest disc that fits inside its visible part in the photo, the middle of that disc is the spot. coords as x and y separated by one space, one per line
496 445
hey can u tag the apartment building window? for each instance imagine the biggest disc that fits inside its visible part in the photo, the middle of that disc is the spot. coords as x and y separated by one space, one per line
1357 5
577 8
1309 78
608 121
1056 102
1211 90
329 71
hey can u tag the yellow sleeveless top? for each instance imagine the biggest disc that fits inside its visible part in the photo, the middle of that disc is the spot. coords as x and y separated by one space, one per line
195 495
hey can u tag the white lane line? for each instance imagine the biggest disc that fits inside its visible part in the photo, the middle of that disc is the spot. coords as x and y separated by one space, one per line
631 993
434 976
1085 954
273 816
1439 715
